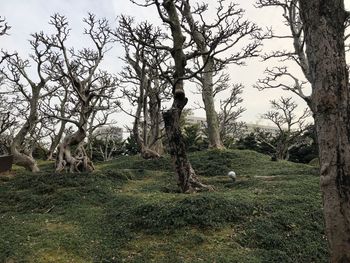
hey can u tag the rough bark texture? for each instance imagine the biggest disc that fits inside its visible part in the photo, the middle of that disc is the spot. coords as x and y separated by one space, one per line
324 30
187 179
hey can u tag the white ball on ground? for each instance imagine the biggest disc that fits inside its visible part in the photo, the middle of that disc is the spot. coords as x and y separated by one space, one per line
232 175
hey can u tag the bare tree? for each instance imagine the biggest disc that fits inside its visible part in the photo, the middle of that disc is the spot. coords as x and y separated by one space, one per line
169 11
4 27
142 84
18 79
230 109
281 76
7 121
89 84
108 141
318 34
100 117
213 42
290 126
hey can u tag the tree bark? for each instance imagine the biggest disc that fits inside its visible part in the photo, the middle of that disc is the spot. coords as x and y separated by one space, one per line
209 106
77 162
155 135
324 36
187 179
56 140
206 80
19 155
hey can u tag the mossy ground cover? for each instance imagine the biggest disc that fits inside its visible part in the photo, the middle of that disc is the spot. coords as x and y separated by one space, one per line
130 210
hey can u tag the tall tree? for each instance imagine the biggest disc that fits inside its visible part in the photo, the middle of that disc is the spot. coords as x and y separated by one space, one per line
30 92
169 13
228 30
142 83
318 32
89 84
324 24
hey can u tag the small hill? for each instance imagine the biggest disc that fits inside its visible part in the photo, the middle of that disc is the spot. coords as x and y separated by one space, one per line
130 210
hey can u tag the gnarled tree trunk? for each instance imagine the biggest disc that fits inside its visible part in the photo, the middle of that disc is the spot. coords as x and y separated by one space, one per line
324 36
77 161
187 179
20 157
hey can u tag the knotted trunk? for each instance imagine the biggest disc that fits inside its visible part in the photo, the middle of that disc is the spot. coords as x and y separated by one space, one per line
324 36
77 162
186 176
187 179
20 157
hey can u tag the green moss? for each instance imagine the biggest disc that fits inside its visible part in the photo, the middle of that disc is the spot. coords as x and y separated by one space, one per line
129 210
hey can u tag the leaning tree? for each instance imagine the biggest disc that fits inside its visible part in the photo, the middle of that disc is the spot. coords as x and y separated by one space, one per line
88 83
28 92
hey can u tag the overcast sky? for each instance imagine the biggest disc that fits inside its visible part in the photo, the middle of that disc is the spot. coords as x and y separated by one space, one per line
29 16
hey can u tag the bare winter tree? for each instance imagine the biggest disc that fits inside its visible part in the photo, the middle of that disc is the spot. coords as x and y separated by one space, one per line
7 121
170 11
20 82
318 34
148 91
290 126
100 117
281 76
62 96
89 84
230 109
108 141
213 41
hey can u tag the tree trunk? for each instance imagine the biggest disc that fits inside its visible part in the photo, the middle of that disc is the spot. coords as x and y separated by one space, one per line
77 162
208 100
187 179
19 156
324 35
155 139
56 140
206 80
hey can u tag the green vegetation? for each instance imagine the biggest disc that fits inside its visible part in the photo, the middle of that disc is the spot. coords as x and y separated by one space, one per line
129 210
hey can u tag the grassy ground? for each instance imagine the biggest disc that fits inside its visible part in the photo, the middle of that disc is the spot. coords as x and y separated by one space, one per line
129 211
